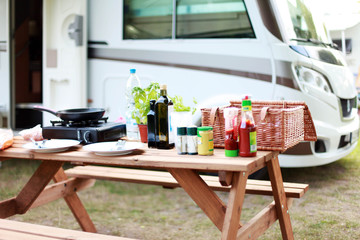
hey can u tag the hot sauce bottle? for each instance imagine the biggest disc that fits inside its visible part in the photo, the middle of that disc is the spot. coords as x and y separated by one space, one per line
231 144
247 130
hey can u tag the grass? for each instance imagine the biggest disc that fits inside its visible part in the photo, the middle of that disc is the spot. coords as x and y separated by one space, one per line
329 210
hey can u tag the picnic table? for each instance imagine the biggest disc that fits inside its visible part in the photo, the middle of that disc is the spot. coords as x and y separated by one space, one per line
185 169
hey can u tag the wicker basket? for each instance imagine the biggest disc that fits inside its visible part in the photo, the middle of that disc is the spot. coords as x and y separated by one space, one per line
280 124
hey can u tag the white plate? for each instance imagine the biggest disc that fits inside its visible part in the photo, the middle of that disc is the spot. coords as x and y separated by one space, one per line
110 148
50 146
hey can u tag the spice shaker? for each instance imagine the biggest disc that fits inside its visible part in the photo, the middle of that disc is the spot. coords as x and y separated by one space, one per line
192 147
181 140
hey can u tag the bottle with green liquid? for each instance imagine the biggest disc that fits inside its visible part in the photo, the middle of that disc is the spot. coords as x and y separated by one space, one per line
162 120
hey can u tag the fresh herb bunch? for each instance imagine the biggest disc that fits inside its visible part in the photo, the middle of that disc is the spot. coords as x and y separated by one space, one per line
142 97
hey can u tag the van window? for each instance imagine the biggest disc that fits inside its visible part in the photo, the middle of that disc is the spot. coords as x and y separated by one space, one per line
348 45
212 19
153 19
306 21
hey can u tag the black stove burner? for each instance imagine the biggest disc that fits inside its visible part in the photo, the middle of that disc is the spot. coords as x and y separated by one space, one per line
84 123
85 131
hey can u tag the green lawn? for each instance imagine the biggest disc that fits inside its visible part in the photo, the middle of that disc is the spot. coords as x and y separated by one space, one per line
329 210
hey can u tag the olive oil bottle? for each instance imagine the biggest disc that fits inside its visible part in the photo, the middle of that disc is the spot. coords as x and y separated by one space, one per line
162 120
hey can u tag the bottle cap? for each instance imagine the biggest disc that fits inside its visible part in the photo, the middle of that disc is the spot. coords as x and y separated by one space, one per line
181 131
163 87
246 97
191 131
152 103
205 128
133 70
231 153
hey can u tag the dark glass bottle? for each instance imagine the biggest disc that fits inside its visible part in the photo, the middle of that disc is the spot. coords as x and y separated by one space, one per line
162 120
151 125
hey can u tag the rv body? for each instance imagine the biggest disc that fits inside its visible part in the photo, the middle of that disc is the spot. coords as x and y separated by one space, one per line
264 62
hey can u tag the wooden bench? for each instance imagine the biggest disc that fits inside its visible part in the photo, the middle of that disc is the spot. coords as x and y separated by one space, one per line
165 179
13 230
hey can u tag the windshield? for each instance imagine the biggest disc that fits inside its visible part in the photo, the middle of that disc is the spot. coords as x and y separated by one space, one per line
301 22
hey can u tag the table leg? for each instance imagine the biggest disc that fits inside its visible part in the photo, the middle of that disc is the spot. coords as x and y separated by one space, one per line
262 221
280 198
200 192
31 190
234 206
76 206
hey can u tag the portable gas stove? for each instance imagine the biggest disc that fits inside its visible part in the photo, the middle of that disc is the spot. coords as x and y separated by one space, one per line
86 132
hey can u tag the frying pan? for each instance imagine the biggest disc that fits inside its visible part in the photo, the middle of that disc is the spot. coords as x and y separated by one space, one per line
75 114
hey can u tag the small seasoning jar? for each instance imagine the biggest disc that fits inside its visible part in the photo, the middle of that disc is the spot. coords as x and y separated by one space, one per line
192 143
205 140
181 140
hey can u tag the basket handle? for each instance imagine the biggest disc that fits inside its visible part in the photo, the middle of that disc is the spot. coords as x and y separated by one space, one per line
213 114
263 113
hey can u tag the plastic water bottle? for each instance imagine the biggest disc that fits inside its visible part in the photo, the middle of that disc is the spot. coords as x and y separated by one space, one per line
131 125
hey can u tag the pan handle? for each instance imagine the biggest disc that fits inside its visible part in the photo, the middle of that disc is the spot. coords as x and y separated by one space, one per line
41 108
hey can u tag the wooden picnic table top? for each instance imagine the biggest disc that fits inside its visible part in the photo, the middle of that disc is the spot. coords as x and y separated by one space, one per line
145 157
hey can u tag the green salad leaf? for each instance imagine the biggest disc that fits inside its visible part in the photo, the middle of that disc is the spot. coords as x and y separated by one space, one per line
179 105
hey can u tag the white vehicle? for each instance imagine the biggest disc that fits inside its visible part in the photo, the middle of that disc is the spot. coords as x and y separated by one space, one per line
211 50
214 51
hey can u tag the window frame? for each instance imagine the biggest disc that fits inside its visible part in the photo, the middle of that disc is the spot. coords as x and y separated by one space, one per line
174 27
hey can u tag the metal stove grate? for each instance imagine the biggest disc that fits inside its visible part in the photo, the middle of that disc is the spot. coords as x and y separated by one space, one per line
84 123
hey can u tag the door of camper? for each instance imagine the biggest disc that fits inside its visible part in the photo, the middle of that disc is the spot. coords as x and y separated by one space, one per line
64 55
4 64
44 61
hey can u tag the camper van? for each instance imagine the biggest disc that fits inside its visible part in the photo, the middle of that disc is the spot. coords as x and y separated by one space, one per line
213 51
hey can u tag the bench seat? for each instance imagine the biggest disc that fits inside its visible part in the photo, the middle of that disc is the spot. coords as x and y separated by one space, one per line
165 179
14 230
